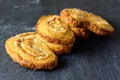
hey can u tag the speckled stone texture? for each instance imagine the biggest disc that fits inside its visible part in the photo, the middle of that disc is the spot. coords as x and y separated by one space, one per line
96 58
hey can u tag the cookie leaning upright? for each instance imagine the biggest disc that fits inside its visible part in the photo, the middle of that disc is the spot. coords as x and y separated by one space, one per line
54 30
24 50
99 25
79 18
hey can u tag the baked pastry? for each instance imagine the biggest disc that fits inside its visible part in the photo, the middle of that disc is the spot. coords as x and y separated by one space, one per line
54 30
58 49
75 17
76 20
98 25
24 50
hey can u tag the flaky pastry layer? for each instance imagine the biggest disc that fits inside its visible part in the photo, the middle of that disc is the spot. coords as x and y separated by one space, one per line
54 30
24 50
94 23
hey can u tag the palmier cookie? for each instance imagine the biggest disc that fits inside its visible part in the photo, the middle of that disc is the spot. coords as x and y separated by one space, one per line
29 53
54 30
72 16
91 21
58 49
98 25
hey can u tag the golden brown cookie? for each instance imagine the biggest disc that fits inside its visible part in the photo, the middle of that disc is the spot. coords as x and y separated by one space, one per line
58 49
54 30
74 18
99 26
24 50
94 23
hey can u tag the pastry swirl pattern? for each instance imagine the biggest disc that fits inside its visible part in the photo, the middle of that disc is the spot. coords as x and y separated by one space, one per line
54 30
24 50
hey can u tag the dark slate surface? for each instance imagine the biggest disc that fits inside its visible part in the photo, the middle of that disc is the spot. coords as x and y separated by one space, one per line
97 58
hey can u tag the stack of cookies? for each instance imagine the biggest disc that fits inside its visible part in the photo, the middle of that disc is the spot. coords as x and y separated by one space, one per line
55 35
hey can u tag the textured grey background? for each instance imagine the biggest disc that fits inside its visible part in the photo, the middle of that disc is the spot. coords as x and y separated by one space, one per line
96 58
